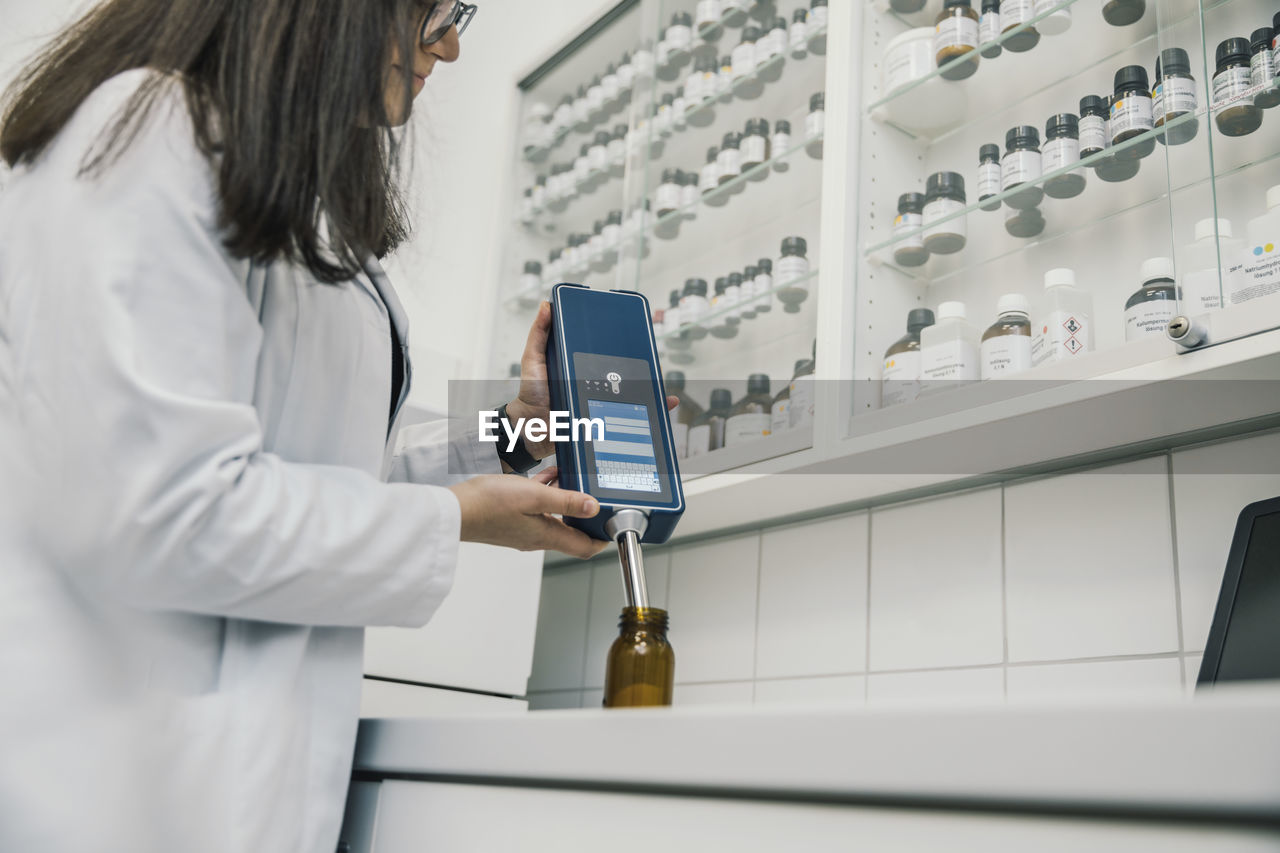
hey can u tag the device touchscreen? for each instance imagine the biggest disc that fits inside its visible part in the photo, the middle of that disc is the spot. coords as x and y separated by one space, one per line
625 458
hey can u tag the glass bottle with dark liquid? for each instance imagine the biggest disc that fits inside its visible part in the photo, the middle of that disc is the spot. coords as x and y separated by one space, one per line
641 667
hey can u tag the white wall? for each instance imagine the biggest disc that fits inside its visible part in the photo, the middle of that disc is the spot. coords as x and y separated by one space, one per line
465 128
1101 581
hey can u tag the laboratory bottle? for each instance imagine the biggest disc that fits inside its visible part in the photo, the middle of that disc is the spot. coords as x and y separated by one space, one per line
1237 114
802 391
706 432
1014 15
1174 96
706 21
700 86
729 160
679 109
1131 112
755 148
752 416
527 210
1262 69
900 378
677 339
1062 149
944 196
530 287
1112 167
709 180
1066 327
950 350
684 415
1151 307
1024 224
815 125
747 84
910 250
988 175
798 34
694 307
679 38
781 144
664 120
725 324
1205 279
1260 274
689 194
1006 344
764 286
582 175
667 198
642 62
626 74
1057 21
617 150
610 87
1020 167
724 79
733 13
793 274
539 194
735 289
989 29
1092 125
562 118
780 418
641 667
817 27
955 35
595 99
1122 13
581 110
773 57
906 7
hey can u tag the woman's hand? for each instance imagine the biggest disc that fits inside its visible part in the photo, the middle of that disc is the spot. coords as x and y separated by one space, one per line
534 399
515 512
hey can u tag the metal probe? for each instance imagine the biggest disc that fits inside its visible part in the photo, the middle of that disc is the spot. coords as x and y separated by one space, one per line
626 528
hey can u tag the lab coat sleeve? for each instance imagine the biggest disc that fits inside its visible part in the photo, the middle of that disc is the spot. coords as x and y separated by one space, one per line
141 369
443 452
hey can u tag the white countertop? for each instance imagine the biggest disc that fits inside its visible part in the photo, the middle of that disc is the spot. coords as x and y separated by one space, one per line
1214 757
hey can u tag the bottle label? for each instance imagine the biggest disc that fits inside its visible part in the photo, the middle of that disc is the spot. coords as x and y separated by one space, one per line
1060 152
1258 276
1262 68
1005 354
949 361
909 222
744 60
799 37
1015 12
746 427
746 293
815 123
595 98
709 177
699 441
955 31
642 63
1148 318
754 150
988 179
735 5
1201 291
1230 84
598 157
693 309
609 85
1062 336
907 64
1177 96
1019 167
679 436
775 45
1093 133
707 12
667 198
817 17
989 27
937 209
693 90
672 319
1132 112
800 412
626 77
901 382
729 161
764 284
781 418
791 268
781 143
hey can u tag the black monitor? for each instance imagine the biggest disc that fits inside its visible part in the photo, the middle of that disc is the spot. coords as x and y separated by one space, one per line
1244 642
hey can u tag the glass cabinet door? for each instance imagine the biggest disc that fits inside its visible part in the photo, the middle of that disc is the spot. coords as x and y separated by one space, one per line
1041 196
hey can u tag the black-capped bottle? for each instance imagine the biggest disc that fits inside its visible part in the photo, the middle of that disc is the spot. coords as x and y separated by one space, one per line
900 380
1092 126
943 200
684 415
724 323
755 148
910 250
815 125
709 180
1262 68
1110 167
707 431
641 667
1017 15
729 160
1132 113
694 307
988 175
677 339
1062 149
989 29
1024 224
752 416
1151 307
792 274
1174 98
780 144
1122 13
1020 169
955 35
1237 114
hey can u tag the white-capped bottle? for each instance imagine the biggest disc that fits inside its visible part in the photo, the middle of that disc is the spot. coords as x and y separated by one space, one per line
950 350
1260 268
1204 280
1065 330
1006 344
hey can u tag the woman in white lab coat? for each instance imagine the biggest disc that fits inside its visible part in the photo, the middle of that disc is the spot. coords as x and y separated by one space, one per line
201 368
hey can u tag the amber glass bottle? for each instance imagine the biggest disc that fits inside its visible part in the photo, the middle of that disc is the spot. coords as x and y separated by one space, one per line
641 671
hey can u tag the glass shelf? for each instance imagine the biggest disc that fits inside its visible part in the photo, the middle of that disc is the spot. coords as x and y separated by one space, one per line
1082 163
706 321
955 63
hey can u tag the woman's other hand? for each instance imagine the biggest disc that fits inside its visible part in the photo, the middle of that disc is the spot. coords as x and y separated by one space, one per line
515 512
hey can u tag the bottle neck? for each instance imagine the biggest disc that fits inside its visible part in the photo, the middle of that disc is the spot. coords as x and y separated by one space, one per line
636 619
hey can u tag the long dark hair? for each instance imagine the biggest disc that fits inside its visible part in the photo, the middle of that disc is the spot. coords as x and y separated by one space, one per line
286 98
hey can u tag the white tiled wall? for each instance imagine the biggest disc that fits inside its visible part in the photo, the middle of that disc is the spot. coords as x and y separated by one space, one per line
1082 583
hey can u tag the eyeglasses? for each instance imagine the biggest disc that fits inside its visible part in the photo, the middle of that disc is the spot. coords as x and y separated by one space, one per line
443 15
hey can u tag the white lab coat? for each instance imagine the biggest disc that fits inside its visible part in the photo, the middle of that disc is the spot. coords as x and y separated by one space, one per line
202 449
